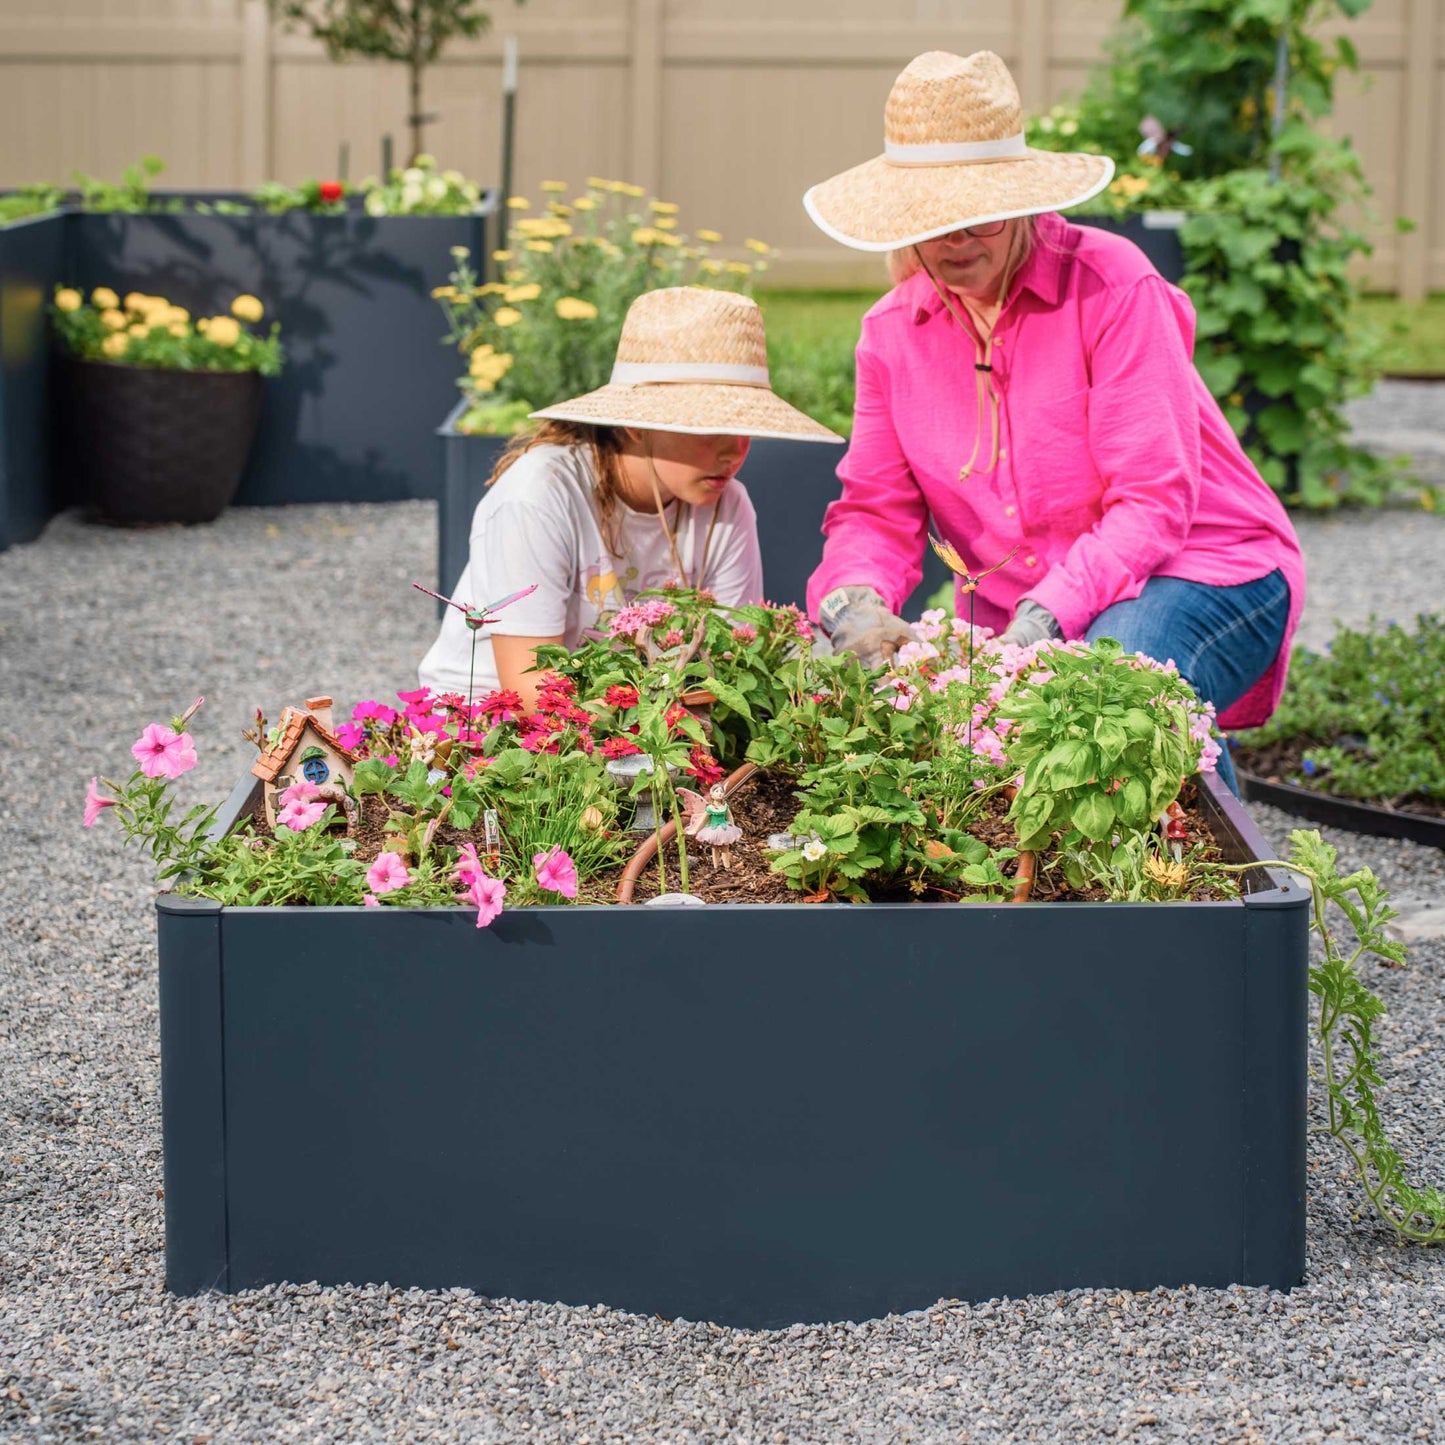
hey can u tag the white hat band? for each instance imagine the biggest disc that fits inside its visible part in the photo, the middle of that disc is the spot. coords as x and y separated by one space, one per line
944 153
640 373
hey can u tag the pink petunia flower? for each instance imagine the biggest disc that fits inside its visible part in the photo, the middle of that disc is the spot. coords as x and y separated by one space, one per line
556 872
95 803
370 900
387 874
302 791
350 735
416 695
469 865
487 894
299 815
164 753
374 712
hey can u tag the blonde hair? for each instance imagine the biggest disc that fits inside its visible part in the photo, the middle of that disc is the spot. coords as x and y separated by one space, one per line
907 262
605 445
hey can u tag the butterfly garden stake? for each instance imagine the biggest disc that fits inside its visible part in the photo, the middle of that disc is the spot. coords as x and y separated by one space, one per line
476 619
968 584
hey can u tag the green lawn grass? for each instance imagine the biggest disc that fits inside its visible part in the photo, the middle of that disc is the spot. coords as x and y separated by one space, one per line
825 324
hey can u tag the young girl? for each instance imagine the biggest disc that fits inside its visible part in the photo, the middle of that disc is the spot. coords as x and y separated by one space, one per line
622 490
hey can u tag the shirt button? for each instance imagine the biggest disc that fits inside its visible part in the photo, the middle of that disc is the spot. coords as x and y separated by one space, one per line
1003 456
1031 561
1009 511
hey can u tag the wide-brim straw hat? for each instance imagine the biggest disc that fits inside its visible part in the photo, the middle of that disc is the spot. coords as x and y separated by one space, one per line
953 156
692 360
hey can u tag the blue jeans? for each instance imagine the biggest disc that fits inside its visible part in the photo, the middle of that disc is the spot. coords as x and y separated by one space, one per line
1222 639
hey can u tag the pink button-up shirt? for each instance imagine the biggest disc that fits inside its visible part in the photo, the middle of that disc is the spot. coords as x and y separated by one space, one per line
1115 463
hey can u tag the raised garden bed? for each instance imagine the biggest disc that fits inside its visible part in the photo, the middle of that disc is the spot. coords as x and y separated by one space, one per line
756 1114
790 484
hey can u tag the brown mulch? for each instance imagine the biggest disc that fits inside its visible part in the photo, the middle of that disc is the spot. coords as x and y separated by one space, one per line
763 805
1283 762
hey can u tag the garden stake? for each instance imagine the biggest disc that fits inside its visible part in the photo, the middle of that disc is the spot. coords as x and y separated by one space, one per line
477 618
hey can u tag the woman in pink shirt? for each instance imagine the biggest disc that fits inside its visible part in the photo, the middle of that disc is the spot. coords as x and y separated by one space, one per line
1029 386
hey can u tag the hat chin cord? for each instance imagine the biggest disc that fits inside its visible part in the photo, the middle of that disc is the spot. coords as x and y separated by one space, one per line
671 534
983 382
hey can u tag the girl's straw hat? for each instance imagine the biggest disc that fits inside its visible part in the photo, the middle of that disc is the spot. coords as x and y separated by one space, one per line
692 360
953 156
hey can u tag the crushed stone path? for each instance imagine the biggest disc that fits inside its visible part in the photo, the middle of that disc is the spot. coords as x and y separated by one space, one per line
102 631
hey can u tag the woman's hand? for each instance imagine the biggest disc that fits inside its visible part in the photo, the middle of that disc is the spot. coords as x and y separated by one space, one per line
1032 624
515 658
856 620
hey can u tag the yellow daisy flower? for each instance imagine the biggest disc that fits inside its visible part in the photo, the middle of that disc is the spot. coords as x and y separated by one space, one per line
506 316
711 237
574 308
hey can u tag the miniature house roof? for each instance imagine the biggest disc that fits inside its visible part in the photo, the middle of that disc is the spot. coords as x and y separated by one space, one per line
294 722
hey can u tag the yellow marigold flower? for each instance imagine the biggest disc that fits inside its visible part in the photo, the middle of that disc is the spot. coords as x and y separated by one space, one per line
583 203
248 308
506 316
114 319
664 208
202 322
665 223
173 314
138 329
69 299
554 185
224 330
574 308
116 344
625 190
513 294
711 237
178 329
519 203
140 303
738 268
501 255
443 293
539 246
761 247
104 298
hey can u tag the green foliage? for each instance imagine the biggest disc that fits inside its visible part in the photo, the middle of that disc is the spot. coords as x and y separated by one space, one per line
1344 1033
29 201
1104 742
321 198
549 328
1368 711
130 194
420 189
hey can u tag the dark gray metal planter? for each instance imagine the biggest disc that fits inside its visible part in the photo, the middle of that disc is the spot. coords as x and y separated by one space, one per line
349 419
1348 813
1155 233
32 264
790 483
828 1112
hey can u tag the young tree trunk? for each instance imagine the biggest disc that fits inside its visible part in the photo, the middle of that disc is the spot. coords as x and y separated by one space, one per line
414 66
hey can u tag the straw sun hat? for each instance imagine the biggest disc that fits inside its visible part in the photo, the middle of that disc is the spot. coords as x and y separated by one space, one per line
692 360
953 156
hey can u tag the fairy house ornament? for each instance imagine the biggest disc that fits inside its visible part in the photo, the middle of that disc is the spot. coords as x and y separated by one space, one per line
303 747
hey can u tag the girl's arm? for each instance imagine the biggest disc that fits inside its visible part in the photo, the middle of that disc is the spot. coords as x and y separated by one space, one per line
515 658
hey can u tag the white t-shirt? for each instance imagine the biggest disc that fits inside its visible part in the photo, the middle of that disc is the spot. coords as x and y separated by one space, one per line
538 523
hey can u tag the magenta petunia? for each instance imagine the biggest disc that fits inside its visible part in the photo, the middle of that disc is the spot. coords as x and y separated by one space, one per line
488 895
300 814
387 874
416 695
95 803
556 872
350 735
374 712
164 753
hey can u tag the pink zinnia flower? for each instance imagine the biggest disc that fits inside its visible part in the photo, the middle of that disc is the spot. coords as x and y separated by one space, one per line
164 753
487 894
387 874
556 872
299 815
95 803
503 704
620 695
619 748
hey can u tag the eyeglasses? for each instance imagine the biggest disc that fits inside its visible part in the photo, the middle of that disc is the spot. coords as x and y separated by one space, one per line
985 231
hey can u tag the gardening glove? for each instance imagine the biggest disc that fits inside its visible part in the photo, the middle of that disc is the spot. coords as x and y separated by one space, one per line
1032 624
855 620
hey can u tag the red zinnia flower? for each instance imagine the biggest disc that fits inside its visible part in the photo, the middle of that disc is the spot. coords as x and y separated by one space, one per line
619 695
619 748
704 767
330 191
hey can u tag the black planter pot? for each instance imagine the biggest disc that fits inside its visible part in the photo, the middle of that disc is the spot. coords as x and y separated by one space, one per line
790 484
160 446
1155 233
829 1112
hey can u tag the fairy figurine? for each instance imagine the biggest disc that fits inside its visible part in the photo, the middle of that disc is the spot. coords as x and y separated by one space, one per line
710 821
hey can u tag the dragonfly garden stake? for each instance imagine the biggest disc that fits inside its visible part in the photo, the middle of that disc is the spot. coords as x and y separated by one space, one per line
968 584
476 619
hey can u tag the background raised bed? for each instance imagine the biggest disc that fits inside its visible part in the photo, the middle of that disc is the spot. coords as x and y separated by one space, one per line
759 1115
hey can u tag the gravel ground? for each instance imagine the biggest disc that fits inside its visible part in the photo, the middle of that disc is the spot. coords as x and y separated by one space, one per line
101 631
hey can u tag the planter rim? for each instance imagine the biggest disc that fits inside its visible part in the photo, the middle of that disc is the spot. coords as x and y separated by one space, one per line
172 370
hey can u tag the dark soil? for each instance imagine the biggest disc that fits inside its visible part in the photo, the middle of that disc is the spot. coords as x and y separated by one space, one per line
763 805
1283 762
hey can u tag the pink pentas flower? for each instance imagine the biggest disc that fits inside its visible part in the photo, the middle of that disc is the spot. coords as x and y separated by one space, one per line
164 753
746 632
387 874
299 815
95 803
556 872
487 896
